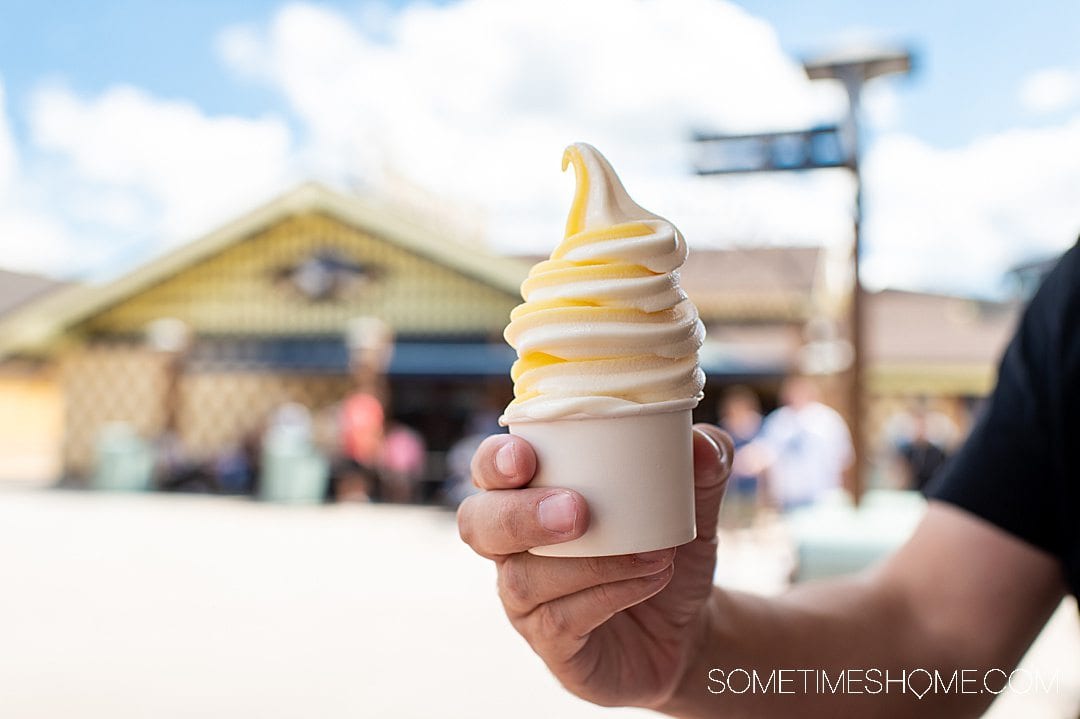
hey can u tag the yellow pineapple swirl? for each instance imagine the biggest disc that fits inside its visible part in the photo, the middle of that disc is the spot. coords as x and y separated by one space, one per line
605 329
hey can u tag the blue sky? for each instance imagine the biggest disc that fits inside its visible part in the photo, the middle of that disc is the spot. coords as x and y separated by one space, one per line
167 47
163 45
277 88
972 56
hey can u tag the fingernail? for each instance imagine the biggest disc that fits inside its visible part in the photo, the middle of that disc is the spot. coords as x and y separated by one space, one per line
557 513
661 576
505 460
716 443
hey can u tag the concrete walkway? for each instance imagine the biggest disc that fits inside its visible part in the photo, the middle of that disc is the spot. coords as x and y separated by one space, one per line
159 606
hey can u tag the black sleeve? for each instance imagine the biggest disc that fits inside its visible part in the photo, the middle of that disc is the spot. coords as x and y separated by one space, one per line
1018 468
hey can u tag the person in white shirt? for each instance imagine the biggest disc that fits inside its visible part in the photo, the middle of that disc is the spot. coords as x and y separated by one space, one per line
803 449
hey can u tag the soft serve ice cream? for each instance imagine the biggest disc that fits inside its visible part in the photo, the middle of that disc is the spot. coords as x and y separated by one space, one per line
607 371
605 329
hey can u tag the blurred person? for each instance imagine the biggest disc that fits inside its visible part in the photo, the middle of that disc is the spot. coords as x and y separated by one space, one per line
361 423
970 590
237 468
353 482
402 460
459 482
176 470
740 416
803 448
921 458
362 428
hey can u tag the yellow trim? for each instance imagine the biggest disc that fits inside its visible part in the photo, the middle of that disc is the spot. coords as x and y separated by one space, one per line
35 327
959 379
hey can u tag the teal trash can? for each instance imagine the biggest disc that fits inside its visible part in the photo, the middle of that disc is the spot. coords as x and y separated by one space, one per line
123 461
293 471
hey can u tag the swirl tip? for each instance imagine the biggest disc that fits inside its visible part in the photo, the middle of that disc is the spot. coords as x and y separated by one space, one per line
575 155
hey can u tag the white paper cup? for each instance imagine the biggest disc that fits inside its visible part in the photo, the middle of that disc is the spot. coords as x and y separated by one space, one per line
636 473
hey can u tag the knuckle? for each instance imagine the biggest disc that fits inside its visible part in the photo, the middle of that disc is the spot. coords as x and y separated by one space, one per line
514 583
508 520
464 522
552 620
597 568
604 595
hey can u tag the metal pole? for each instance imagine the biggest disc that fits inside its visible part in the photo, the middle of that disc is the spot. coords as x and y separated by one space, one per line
853 82
853 70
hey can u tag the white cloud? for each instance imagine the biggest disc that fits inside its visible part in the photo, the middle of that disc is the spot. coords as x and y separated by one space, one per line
957 219
113 179
881 106
30 240
1050 90
160 168
239 47
33 242
476 101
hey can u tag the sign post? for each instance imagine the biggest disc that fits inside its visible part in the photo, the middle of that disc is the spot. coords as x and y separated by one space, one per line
815 148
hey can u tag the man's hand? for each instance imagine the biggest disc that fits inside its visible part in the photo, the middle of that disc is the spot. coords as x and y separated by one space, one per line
614 630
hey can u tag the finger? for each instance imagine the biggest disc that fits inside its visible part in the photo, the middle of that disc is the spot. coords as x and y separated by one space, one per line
527 581
503 461
508 521
713 450
558 629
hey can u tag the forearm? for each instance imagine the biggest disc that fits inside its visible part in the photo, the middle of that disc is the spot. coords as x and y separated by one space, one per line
823 649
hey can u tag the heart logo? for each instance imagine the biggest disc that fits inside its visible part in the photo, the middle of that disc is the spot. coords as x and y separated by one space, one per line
914 689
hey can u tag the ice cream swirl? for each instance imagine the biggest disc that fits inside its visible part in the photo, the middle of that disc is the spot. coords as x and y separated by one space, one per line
605 329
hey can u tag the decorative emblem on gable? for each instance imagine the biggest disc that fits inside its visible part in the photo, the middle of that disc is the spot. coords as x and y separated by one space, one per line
327 275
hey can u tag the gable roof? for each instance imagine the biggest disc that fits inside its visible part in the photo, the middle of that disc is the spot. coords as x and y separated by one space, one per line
39 322
926 328
20 288
753 282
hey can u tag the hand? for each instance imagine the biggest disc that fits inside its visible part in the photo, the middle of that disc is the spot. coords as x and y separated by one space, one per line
616 631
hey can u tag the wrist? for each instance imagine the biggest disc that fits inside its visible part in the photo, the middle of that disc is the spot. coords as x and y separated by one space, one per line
685 697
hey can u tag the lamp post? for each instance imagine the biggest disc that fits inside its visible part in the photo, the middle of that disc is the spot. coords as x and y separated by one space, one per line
171 337
370 341
815 148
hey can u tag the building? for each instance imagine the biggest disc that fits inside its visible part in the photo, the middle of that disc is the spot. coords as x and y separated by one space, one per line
930 353
269 298
31 408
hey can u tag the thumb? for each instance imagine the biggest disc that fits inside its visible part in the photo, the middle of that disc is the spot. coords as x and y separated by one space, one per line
713 451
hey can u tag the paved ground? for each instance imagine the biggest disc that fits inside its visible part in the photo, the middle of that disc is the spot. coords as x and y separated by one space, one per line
161 606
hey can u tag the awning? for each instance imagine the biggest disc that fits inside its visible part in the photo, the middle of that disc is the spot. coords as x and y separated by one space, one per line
330 355
418 358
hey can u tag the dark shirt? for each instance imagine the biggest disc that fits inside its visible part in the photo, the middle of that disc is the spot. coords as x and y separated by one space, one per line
1020 468
923 459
